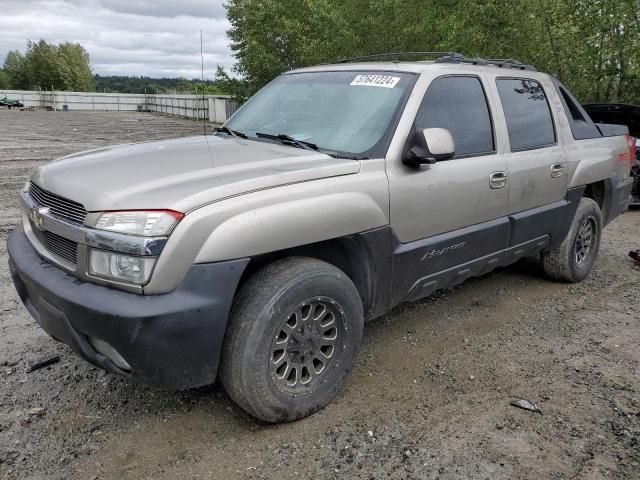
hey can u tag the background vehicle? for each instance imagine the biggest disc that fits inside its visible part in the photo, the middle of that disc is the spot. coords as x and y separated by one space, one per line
336 193
5 102
635 173
621 114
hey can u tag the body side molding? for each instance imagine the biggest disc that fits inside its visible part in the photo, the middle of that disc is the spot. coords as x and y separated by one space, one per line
430 264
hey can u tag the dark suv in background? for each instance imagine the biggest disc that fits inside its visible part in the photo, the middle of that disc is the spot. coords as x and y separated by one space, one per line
622 114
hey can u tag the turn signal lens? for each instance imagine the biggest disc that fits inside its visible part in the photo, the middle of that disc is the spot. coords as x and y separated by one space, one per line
148 223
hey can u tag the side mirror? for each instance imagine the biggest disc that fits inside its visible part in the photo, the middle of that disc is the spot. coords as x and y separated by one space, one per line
430 146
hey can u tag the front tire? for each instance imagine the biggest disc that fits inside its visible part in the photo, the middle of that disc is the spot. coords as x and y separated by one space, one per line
573 259
293 336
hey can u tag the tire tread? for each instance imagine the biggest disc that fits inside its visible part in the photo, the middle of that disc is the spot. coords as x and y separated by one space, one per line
257 294
556 262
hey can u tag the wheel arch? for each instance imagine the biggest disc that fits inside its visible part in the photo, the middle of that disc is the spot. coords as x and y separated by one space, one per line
365 258
596 191
259 229
602 192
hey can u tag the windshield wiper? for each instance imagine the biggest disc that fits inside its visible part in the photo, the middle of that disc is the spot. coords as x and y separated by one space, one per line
288 139
346 157
233 133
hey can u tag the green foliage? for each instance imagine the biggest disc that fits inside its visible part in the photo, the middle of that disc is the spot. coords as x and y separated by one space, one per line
4 80
210 88
15 70
184 85
48 66
240 90
591 45
122 84
75 67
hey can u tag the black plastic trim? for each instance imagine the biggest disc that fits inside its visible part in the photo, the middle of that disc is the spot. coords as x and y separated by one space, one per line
452 276
578 131
171 341
617 198
612 130
553 219
423 258
378 247
426 265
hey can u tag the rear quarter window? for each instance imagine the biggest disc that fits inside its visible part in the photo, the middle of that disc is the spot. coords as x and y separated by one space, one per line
582 127
526 109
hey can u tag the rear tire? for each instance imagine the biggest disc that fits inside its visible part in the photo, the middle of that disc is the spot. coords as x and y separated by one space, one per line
293 337
573 259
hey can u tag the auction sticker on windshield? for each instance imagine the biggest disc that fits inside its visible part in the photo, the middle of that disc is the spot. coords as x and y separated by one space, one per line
384 81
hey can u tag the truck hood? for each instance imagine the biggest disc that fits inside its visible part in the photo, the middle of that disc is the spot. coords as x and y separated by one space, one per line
182 174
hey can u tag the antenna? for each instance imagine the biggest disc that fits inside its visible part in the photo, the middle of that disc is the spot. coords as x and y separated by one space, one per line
204 120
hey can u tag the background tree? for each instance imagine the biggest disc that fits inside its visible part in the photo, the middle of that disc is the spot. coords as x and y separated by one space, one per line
125 84
184 86
42 65
4 80
75 67
14 69
239 89
45 65
591 45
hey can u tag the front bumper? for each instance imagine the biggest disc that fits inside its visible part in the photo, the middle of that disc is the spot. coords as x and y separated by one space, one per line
171 341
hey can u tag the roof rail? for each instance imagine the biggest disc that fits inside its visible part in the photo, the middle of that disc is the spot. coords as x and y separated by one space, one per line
443 57
498 62
395 56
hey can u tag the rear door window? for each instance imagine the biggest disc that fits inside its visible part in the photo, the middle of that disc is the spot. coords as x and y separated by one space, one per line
459 104
529 121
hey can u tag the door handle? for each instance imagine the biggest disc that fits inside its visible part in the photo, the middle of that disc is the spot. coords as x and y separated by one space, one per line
557 169
497 180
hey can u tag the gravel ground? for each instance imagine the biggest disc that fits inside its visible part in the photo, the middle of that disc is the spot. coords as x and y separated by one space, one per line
429 397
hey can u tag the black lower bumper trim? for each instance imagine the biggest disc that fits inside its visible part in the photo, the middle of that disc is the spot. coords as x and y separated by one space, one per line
172 341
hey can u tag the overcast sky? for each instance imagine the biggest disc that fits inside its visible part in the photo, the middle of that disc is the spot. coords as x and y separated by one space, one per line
158 38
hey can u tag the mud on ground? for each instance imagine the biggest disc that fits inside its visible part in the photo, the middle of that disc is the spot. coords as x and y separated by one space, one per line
429 397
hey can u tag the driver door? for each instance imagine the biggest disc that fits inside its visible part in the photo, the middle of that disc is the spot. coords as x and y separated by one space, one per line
452 212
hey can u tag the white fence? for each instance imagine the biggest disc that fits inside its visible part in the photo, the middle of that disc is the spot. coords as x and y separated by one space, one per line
216 108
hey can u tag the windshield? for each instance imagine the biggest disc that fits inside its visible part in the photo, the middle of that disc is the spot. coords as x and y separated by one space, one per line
339 112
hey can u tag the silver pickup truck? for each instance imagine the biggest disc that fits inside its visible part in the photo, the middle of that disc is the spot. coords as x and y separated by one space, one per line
337 192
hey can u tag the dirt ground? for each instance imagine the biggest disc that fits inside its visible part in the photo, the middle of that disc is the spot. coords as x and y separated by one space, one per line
429 397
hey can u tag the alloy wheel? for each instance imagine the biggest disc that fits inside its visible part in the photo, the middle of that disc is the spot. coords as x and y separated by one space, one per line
305 345
585 240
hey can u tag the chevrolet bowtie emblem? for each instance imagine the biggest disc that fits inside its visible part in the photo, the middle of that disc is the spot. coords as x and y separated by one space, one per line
37 217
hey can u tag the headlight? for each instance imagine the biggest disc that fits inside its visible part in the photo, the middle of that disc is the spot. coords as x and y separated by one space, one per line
140 222
119 267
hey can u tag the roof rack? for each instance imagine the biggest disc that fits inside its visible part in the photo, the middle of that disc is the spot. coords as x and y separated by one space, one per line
395 56
498 62
443 57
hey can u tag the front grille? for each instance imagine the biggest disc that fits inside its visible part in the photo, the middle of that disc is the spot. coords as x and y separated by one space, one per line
58 206
63 247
